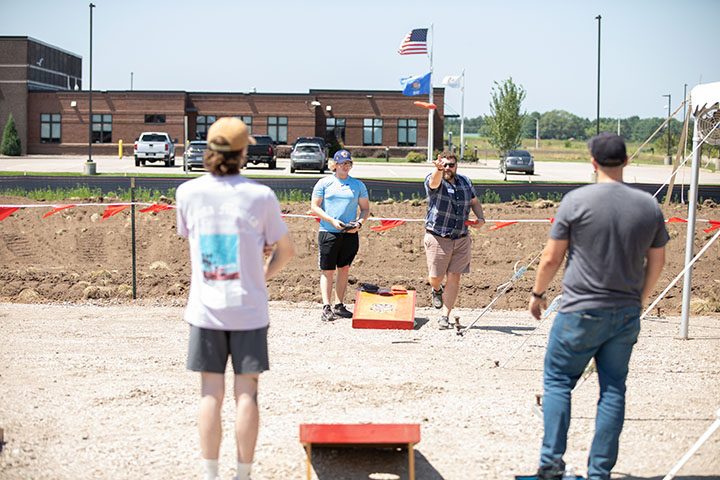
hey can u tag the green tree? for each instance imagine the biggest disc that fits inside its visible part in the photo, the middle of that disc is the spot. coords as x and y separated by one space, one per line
506 119
472 125
562 125
10 140
644 127
529 124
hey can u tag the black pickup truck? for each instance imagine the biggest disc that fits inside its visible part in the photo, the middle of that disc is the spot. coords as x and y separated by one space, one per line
263 151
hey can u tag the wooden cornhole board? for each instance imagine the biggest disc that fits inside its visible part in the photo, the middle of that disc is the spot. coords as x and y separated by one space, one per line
392 311
363 435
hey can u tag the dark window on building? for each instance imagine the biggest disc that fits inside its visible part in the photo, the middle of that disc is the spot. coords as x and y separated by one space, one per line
154 118
247 120
202 124
335 126
372 131
50 128
277 129
102 128
407 132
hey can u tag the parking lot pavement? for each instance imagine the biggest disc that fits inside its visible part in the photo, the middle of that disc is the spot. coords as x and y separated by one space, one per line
485 170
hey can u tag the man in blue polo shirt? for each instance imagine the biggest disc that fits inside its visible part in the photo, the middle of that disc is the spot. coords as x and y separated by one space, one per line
447 243
336 199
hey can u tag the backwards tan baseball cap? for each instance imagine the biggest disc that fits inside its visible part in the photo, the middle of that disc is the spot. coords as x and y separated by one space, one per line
233 131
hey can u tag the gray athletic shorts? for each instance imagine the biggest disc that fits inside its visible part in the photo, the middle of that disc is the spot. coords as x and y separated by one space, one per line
208 350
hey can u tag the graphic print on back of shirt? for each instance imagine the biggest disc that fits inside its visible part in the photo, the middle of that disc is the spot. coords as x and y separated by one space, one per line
219 252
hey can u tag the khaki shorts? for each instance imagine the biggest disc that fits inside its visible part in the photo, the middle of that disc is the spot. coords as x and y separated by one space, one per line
445 255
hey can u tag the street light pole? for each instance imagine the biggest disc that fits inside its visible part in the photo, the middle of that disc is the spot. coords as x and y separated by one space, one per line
462 117
89 167
685 107
667 127
537 133
597 122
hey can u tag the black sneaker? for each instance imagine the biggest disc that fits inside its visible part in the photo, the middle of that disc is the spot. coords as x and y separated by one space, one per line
443 323
551 472
340 311
436 297
327 314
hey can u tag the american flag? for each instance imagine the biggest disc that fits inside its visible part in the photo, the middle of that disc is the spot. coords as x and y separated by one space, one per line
414 43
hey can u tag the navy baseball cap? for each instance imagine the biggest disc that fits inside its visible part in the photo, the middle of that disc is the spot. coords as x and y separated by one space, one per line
608 149
342 156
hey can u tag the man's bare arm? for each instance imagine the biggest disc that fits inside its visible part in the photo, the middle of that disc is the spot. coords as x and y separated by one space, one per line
477 209
281 255
437 174
316 207
550 262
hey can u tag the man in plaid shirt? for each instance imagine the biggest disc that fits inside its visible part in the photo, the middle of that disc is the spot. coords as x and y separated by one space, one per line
447 243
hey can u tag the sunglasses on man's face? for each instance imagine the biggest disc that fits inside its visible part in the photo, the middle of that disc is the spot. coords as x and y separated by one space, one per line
448 165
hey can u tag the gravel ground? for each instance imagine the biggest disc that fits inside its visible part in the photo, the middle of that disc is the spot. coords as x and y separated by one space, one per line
101 391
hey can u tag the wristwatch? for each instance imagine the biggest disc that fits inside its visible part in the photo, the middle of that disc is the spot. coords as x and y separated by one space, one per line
540 296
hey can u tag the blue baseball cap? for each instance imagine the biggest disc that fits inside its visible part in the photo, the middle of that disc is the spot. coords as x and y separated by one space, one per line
342 156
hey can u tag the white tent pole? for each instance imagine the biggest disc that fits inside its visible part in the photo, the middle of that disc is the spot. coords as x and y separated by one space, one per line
462 116
431 112
716 424
690 237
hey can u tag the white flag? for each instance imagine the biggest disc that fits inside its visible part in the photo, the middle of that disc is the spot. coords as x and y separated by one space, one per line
452 81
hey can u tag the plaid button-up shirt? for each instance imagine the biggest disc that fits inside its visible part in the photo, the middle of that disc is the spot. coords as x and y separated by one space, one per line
449 207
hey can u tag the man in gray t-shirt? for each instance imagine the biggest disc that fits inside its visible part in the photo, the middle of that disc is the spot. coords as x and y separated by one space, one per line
614 237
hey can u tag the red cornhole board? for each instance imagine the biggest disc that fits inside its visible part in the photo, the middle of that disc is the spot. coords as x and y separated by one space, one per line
385 435
392 311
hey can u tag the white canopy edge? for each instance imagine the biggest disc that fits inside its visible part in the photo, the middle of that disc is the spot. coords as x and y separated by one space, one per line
704 96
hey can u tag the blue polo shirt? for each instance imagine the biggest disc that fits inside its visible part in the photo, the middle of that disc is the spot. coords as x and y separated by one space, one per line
340 199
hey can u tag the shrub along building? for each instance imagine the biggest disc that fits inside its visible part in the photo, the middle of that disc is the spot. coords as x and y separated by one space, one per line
41 86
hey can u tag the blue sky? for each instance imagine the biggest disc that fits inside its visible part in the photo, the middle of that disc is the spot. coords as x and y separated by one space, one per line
648 48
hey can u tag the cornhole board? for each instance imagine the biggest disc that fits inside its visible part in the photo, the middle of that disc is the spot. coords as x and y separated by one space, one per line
363 435
390 311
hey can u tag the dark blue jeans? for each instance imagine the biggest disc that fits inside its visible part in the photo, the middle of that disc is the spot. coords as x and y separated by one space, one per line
608 335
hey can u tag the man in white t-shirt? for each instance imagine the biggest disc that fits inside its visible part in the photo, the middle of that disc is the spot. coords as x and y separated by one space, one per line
229 221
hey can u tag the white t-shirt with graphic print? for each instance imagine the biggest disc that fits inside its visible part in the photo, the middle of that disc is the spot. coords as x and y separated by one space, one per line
227 221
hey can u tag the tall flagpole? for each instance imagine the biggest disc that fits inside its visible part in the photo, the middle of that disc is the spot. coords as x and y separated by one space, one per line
431 112
462 116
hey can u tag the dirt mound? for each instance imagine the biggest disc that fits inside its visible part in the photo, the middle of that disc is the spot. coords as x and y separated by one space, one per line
74 256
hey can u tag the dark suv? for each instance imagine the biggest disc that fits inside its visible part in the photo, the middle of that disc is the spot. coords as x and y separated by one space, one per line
517 161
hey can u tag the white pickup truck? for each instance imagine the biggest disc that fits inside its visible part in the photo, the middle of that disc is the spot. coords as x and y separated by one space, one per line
154 147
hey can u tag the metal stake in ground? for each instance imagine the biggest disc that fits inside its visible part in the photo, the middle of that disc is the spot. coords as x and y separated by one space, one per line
133 252
503 289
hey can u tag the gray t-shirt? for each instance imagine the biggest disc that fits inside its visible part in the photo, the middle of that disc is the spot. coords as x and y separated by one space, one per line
610 227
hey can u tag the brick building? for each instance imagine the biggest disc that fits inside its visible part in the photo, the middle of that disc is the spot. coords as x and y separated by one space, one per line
40 84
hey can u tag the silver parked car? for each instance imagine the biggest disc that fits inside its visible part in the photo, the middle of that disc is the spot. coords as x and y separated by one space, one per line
193 156
308 156
518 161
